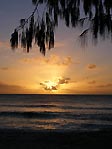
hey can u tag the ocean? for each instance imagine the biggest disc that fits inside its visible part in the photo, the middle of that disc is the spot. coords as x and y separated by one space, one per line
56 112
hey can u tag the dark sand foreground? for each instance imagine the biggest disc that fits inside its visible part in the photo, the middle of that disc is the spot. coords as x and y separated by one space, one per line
19 139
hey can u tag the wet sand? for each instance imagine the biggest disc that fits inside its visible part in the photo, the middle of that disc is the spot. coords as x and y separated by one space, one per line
26 139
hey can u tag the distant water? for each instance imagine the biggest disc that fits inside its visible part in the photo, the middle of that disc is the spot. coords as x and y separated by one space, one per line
56 112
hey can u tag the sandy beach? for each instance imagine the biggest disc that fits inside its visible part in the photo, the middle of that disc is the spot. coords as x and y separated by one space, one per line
22 139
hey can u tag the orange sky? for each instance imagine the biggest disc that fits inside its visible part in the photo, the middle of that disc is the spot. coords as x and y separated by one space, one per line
66 69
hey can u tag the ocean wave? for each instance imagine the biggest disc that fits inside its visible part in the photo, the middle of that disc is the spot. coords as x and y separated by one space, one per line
65 107
29 114
29 106
59 115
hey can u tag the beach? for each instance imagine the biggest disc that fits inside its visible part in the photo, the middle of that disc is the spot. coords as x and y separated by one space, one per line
16 139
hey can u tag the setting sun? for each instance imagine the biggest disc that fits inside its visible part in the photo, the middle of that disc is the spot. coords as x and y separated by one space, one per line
55 85
50 85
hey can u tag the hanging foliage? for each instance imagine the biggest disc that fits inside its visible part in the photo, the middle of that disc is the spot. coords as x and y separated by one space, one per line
14 39
40 32
40 29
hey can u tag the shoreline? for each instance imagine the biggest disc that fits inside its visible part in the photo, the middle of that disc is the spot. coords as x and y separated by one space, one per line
15 139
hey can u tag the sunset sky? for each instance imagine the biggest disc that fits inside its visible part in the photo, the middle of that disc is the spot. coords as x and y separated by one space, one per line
66 69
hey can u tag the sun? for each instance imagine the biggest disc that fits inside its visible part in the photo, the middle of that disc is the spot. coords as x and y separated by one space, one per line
50 85
55 85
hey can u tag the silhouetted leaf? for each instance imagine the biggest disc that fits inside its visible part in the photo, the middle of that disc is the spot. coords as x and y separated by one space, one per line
74 12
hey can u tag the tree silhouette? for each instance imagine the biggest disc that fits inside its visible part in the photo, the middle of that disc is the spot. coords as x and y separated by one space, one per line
74 12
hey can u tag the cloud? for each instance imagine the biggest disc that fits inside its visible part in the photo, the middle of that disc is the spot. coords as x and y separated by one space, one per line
67 61
52 86
4 68
92 82
8 88
63 80
105 85
52 60
91 66
56 60
49 86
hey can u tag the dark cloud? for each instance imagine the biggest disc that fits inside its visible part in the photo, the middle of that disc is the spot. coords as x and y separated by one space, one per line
63 81
54 88
91 66
48 87
41 83
6 88
92 82
4 68
105 85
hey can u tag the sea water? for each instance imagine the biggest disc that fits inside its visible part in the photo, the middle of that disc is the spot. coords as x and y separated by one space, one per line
56 112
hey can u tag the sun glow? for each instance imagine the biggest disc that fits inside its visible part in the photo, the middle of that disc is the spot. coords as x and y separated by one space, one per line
50 85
